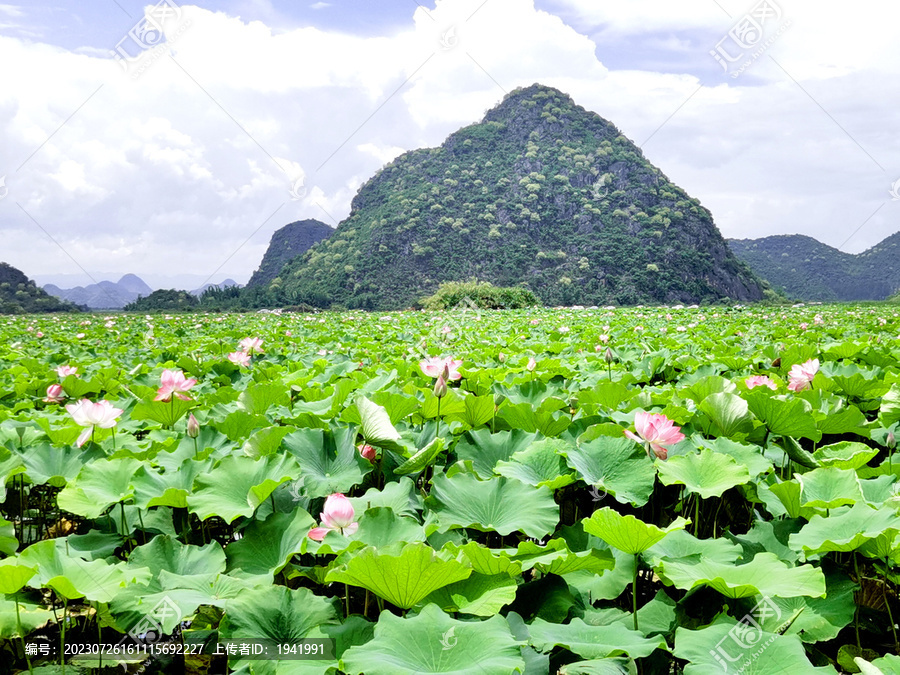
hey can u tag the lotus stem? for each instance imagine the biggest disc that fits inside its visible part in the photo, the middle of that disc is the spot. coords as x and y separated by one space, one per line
346 601
634 580
62 636
887 604
22 635
856 609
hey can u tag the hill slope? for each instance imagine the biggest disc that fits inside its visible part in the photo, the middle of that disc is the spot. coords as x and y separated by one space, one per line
541 192
807 269
20 295
286 243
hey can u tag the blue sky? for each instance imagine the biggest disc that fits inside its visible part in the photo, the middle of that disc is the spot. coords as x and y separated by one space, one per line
178 164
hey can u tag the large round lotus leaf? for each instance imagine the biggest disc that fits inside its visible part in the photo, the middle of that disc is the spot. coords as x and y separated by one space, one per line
556 558
375 425
267 546
845 455
750 456
98 486
592 642
238 485
400 496
728 412
73 577
655 617
276 613
166 553
766 574
728 646
485 560
784 416
610 666
495 505
329 461
627 533
844 531
682 546
8 542
169 488
829 488
479 595
616 465
432 642
401 576
166 413
421 459
14 575
56 466
485 449
815 619
378 527
32 616
705 473
539 464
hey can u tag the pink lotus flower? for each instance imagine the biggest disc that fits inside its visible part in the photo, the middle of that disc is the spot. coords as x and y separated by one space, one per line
173 382
531 365
367 451
760 381
655 431
89 415
65 371
447 367
251 345
55 394
338 515
239 358
801 375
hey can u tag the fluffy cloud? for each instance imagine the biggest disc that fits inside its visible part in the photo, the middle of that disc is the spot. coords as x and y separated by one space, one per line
175 166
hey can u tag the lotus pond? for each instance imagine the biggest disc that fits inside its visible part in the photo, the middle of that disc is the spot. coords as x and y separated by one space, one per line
452 492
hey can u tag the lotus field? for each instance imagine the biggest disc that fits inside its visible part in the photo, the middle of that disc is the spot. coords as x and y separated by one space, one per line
601 490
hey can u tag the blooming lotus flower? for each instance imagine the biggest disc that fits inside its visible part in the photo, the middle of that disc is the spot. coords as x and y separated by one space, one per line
760 381
65 371
55 394
251 345
239 358
89 415
801 375
367 451
447 367
338 515
173 382
655 431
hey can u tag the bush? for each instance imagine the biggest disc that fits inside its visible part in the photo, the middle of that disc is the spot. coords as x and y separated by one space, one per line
482 294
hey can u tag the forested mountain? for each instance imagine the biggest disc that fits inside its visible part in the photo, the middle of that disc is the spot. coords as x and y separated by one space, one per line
20 295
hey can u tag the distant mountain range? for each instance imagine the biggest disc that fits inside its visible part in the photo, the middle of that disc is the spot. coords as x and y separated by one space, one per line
115 295
806 269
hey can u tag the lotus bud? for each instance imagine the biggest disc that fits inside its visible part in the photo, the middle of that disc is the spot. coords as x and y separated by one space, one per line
193 426
501 357
531 364
440 386
367 451
891 442
608 356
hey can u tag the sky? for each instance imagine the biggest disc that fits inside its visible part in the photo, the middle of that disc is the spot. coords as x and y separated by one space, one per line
170 140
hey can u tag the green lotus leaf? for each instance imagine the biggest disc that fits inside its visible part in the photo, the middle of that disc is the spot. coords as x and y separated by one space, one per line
539 464
166 553
401 576
479 410
329 461
56 466
267 546
375 425
784 417
485 449
72 577
627 533
845 455
421 459
706 473
432 642
169 488
609 666
844 530
8 542
750 456
655 617
378 527
829 488
610 584
400 496
766 574
486 561
592 641
258 398
266 441
682 546
14 575
98 486
617 465
556 558
814 619
734 646
729 414
166 413
31 615
238 485
479 595
499 504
